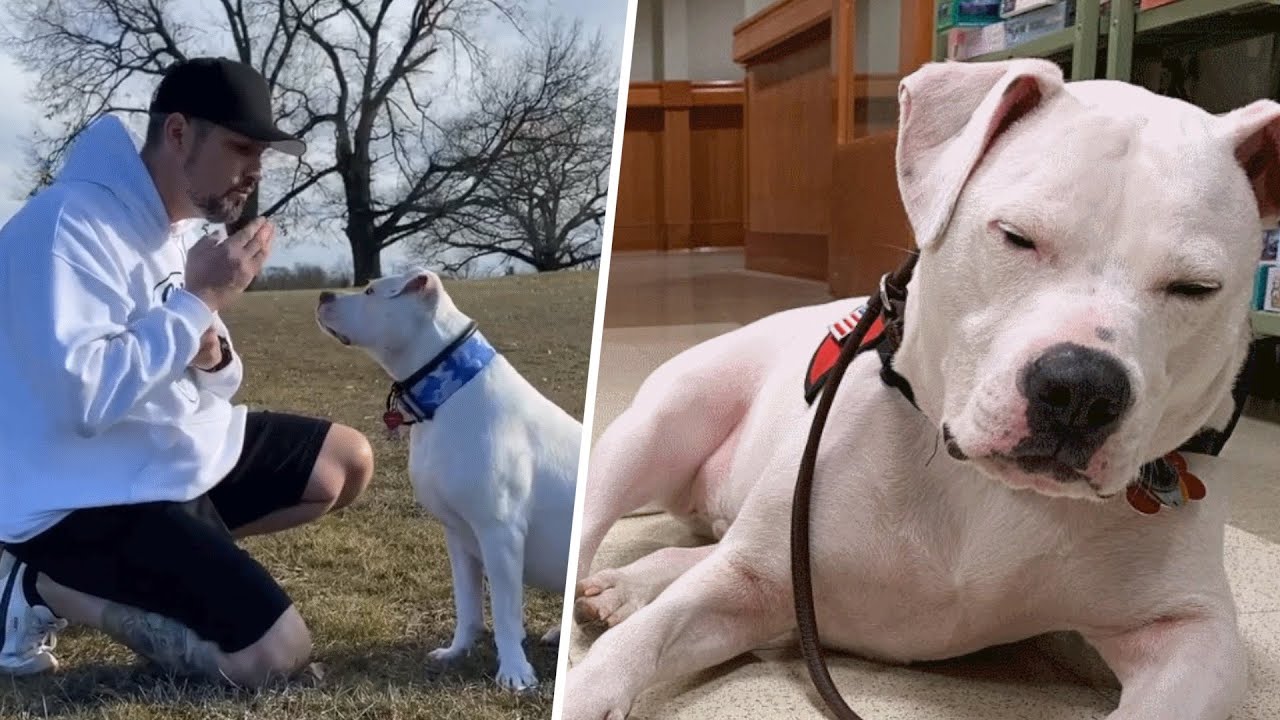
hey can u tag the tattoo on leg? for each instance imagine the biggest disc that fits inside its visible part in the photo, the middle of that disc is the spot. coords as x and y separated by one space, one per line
165 642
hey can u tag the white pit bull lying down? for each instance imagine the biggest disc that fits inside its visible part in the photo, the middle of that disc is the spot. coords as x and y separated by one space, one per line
490 457
1079 310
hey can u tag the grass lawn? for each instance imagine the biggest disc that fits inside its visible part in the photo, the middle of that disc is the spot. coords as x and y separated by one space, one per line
372 581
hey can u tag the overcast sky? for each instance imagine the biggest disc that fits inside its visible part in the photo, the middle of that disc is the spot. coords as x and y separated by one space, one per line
17 118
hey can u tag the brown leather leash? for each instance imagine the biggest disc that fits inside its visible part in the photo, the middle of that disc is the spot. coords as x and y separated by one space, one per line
890 302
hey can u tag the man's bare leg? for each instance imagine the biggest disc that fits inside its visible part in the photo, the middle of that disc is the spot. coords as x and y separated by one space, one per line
341 473
282 651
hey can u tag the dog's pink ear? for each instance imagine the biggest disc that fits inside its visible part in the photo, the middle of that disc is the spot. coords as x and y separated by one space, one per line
420 284
949 115
1254 132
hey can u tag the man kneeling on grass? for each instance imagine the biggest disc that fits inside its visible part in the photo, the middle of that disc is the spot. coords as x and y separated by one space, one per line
126 474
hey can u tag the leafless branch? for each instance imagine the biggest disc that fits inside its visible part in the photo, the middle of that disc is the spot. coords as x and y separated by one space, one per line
386 164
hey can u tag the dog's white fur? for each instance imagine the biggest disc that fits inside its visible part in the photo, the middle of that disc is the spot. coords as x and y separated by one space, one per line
917 555
497 466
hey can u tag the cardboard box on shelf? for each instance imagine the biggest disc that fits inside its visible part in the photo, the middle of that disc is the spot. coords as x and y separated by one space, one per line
1010 8
1271 297
967 13
1028 26
1148 4
964 43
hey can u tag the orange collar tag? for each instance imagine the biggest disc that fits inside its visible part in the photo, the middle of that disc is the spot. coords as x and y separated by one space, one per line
1164 483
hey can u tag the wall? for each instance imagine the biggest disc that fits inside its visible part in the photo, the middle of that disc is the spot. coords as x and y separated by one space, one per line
877 32
686 40
710 38
645 45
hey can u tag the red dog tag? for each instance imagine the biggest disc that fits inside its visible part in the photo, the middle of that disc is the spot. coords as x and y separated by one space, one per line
1147 501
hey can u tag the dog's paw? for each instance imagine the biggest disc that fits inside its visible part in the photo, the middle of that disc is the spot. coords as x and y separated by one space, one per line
589 698
607 598
447 655
552 637
516 676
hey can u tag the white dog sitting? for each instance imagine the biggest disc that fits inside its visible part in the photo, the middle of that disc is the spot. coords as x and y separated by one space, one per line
1078 312
490 457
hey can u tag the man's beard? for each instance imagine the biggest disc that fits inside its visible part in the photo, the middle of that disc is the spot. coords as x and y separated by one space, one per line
223 209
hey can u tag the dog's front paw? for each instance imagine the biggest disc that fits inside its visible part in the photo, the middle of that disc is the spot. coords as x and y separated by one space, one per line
517 675
590 699
609 597
448 655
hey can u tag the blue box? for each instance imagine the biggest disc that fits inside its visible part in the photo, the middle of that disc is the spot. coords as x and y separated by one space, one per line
967 13
1262 285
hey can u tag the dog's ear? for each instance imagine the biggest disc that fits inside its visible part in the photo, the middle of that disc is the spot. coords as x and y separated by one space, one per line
1253 131
423 283
949 115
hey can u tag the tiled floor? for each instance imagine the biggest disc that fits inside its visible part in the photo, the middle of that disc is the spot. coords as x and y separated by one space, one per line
659 305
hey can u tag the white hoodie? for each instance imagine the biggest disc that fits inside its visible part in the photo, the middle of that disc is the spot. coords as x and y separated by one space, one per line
98 404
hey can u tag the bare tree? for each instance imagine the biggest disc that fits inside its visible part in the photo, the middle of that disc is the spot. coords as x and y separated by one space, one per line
542 203
348 76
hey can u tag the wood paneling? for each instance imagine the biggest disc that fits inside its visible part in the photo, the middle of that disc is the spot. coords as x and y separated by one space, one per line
677 98
790 140
716 168
638 218
644 94
915 44
681 175
795 163
794 254
776 24
720 93
843 31
870 234
821 193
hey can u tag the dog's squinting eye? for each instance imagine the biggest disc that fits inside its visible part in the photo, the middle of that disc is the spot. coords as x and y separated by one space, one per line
1014 238
1193 289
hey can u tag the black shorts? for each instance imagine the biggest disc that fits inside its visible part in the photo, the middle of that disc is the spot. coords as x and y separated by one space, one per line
180 560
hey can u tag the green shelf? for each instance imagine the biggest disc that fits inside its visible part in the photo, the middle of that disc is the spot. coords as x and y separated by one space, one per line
1266 323
1184 11
1122 26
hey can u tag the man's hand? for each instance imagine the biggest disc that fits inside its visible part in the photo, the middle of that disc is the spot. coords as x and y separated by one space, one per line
210 355
218 273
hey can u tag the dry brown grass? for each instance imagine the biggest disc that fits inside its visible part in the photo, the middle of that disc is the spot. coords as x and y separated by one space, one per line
372 581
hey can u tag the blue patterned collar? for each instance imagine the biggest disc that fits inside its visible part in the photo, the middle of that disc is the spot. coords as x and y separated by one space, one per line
421 394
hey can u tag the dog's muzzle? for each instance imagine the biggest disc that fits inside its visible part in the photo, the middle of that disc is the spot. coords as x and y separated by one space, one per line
327 297
1076 399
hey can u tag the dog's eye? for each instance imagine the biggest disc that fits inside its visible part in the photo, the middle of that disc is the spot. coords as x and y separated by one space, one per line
1014 238
368 290
1193 288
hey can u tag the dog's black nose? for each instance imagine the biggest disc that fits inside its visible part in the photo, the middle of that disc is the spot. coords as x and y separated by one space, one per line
326 296
1074 389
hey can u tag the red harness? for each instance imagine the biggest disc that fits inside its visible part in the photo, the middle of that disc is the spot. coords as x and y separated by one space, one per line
824 358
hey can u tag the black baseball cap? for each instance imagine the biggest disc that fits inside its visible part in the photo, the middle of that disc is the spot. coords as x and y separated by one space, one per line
226 93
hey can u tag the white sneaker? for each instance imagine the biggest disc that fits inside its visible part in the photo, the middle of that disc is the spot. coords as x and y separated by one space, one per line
29 632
